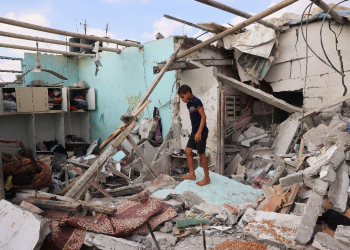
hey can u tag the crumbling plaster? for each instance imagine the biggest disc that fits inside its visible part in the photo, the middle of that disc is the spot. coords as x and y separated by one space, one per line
323 84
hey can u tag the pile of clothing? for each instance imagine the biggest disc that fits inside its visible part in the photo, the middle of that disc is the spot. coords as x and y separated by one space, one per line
9 102
52 146
55 99
78 101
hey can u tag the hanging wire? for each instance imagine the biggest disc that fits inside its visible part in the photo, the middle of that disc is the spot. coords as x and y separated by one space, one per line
324 51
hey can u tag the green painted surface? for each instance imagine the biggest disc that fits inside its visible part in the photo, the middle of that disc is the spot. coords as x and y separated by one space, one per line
123 80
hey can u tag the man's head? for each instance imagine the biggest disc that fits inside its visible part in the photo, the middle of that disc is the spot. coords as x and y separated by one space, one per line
185 93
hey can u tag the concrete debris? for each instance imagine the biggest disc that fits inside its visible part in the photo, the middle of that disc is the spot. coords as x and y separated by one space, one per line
313 140
147 128
338 194
277 175
311 212
342 234
20 228
286 134
176 205
299 209
232 167
239 178
324 241
105 242
164 240
288 181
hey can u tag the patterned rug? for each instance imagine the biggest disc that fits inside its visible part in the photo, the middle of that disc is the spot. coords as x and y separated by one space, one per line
68 232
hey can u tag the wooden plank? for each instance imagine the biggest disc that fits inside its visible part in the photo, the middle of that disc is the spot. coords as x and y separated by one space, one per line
119 130
257 93
141 155
222 131
300 156
214 26
79 165
275 202
58 205
290 199
98 208
286 162
98 187
80 184
324 106
117 173
189 24
42 197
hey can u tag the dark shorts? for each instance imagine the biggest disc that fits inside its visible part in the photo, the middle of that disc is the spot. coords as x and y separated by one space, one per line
199 146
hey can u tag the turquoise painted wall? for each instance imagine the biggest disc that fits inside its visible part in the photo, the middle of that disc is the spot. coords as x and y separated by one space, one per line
51 62
123 80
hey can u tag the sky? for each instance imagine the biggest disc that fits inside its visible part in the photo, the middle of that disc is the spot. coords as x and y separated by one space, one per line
137 20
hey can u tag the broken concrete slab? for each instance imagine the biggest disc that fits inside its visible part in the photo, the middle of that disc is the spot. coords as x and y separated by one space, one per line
338 194
126 144
148 127
324 241
148 150
265 142
342 234
20 228
273 229
333 157
286 133
313 139
276 176
232 167
105 242
233 193
240 170
327 174
239 178
247 141
253 131
299 209
164 240
288 181
313 209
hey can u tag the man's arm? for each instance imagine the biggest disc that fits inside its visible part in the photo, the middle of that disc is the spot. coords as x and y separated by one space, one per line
198 136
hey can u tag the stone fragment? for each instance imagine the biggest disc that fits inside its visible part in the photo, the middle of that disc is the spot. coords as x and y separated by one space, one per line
342 234
126 144
148 150
333 157
324 241
288 181
347 155
164 240
304 195
232 167
147 128
313 209
337 194
176 205
299 209
276 176
265 142
106 242
286 133
240 169
20 228
327 174
313 139
239 178
168 227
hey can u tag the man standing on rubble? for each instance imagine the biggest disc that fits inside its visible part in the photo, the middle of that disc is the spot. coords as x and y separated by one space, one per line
199 135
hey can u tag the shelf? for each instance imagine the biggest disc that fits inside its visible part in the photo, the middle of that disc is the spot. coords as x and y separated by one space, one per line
79 111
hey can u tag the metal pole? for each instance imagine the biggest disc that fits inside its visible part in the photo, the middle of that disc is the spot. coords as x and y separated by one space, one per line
151 232
46 40
12 46
332 13
240 26
240 13
2 186
65 33
190 24
204 241
10 71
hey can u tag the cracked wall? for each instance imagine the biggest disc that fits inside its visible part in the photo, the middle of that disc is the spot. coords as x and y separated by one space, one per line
323 84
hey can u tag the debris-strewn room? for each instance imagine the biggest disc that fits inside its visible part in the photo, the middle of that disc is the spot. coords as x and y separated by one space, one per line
237 137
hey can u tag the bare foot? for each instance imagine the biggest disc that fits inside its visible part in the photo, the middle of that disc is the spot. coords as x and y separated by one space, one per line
189 176
204 182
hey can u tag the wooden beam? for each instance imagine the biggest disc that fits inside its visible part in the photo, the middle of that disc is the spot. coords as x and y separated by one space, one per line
222 131
324 106
239 26
65 189
290 199
325 7
66 33
10 71
237 12
98 187
158 78
80 184
58 205
124 125
257 93
190 24
46 40
117 173
141 155
286 162
65 53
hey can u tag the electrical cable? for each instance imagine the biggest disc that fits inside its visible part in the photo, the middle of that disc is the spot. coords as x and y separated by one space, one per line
324 51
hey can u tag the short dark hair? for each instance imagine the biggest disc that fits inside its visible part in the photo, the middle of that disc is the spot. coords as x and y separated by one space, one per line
184 89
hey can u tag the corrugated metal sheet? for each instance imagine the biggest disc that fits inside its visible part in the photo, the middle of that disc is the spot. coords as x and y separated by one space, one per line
255 66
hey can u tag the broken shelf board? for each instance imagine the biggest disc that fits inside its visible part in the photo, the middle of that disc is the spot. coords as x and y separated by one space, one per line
220 191
257 93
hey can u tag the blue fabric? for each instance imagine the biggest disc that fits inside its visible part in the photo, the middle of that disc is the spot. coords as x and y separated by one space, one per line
193 105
